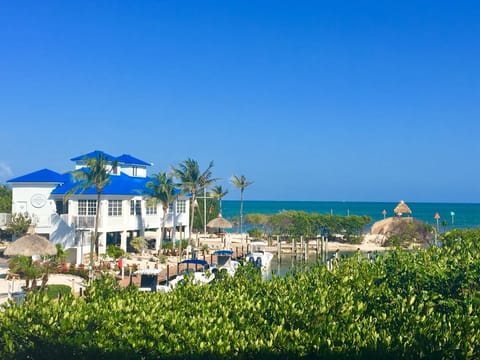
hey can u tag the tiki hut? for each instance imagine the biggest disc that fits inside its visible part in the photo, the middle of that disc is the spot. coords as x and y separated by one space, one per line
402 208
219 223
30 245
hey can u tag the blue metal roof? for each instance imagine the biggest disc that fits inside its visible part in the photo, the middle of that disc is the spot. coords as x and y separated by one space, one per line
195 262
94 154
128 159
119 185
44 175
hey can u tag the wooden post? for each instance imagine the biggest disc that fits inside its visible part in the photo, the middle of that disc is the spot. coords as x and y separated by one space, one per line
301 245
326 247
316 247
294 248
279 250
306 250
321 247
167 277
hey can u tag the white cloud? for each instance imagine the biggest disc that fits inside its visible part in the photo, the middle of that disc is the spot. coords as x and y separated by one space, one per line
5 172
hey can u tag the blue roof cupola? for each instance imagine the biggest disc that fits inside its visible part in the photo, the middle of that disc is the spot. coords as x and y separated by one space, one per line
41 176
94 154
128 159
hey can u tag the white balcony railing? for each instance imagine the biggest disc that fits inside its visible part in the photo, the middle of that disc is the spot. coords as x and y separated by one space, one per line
84 221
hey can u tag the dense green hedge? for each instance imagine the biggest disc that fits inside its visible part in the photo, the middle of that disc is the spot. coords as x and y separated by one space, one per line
408 305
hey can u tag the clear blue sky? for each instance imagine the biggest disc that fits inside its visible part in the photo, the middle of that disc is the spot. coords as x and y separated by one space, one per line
312 100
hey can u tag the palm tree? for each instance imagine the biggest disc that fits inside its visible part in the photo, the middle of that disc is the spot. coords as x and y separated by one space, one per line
96 174
162 188
241 183
219 193
192 180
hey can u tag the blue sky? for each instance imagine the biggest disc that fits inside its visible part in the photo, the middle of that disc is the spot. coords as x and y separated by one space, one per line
312 100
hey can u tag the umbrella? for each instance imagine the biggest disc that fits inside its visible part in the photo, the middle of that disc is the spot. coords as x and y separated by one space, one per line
220 222
29 245
402 208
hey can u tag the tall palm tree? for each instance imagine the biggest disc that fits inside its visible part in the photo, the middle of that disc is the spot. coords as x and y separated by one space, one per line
192 180
241 183
162 188
95 174
219 193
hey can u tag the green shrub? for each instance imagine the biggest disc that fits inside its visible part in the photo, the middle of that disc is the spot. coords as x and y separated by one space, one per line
115 252
255 233
55 290
404 305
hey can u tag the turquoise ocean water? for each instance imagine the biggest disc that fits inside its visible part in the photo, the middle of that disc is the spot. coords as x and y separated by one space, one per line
465 215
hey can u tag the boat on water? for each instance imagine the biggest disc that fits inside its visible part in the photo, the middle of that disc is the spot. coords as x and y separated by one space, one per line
197 270
225 262
258 256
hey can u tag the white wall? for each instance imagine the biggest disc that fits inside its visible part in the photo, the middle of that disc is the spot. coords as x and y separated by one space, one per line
34 199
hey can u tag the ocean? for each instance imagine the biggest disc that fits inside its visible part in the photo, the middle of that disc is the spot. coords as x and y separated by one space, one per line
457 215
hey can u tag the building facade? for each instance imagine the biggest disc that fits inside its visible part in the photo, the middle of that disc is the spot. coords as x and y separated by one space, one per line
125 210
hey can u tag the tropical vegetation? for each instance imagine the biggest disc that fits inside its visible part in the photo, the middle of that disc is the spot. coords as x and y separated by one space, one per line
95 175
241 183
5 199
288 224
193 181
19 225
161 188
403 305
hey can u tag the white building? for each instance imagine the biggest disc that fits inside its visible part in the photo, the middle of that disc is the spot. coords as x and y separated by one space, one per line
125 211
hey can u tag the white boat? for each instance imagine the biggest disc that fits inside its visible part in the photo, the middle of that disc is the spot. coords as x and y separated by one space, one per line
225 262
258 256
198 277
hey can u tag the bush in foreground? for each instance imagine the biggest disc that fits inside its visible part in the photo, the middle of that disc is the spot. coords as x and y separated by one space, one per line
406 305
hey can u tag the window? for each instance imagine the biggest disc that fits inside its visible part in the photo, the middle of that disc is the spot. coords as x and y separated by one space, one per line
114 207
135 207
87 207
151 210
134 171
181 207
151 207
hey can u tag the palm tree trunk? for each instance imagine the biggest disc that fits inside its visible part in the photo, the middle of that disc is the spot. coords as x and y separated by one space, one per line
192 215
162 229
241 211
94 243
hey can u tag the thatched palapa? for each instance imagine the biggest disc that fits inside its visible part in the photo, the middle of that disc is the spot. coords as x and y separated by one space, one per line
29 245
220 223
402 208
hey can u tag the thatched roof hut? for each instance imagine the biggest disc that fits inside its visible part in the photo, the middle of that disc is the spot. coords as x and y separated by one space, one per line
402 208
220 223
29 245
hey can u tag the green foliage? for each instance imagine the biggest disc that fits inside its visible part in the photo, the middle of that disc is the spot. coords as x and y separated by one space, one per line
404 305
5 199
255 233
26 268
115 252
404 233
56 290
19 224
139 244
212 212
300 223
61 253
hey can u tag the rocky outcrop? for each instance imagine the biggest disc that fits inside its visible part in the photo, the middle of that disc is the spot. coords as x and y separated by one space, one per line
404 230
